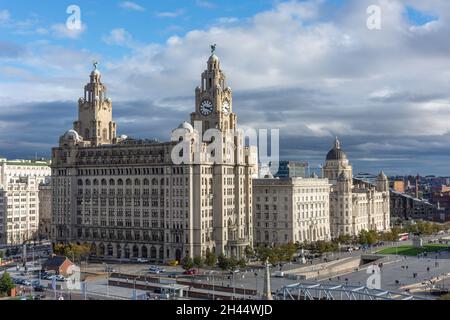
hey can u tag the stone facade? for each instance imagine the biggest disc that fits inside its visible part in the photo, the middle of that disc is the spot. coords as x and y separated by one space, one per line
128 198
45 210
355 205
19 199
291 210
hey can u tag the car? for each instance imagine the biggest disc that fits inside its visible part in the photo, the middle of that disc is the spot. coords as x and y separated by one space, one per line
172 275
39 288
157 290
26 283
154 271
234 271
35 282
60 278
110 269
278 274
190 272
141 260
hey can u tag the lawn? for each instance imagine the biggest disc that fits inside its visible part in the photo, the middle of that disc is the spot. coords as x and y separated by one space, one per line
411 251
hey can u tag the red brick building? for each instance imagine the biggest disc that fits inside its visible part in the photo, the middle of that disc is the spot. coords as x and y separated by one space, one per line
58 265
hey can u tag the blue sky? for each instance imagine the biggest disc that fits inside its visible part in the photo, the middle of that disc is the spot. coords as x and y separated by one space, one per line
310 68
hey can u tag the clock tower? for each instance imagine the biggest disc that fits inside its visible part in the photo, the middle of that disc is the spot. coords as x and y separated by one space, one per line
213 99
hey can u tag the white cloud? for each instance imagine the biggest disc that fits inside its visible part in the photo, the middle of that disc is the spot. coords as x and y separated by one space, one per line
119 37
170 14
128 5
5 16
205 4
227 20
60 30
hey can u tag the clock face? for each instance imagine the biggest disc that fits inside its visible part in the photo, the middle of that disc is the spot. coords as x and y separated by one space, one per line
206 108
226 107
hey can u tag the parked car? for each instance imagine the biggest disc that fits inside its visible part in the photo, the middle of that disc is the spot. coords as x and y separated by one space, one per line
39 288
155 269
278 274
172 275
60 278
141 260
110 269
190 272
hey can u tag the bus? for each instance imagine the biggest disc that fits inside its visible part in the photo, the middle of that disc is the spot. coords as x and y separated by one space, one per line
403 237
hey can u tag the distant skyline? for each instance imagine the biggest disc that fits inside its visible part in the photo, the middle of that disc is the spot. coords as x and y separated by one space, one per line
310 68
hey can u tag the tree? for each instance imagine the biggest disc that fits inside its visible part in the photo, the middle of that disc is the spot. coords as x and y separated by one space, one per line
232 263
223 262
187 263
344 239
211 259
242 263
249 252
6 284
199 262
287 252
263 253
367 237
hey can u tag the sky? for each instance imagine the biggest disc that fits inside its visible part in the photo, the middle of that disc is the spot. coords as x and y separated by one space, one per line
312 69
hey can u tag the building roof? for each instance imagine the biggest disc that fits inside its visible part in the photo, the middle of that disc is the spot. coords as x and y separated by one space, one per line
336 153
54 261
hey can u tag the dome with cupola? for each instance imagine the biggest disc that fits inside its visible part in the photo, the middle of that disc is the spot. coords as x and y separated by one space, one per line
336 153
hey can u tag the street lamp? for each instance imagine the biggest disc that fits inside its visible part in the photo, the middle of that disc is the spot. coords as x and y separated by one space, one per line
107 279
256 279
213 283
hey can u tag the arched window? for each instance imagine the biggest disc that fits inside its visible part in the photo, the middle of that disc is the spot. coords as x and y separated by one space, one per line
137 182
95 182
88 182
112 182
146 182
105 134
120 182
80 182
128 182
104 183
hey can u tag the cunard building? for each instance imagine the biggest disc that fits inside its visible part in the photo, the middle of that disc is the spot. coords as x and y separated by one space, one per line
128 198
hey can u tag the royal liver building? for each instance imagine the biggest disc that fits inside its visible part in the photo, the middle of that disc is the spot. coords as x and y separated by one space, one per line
128 198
